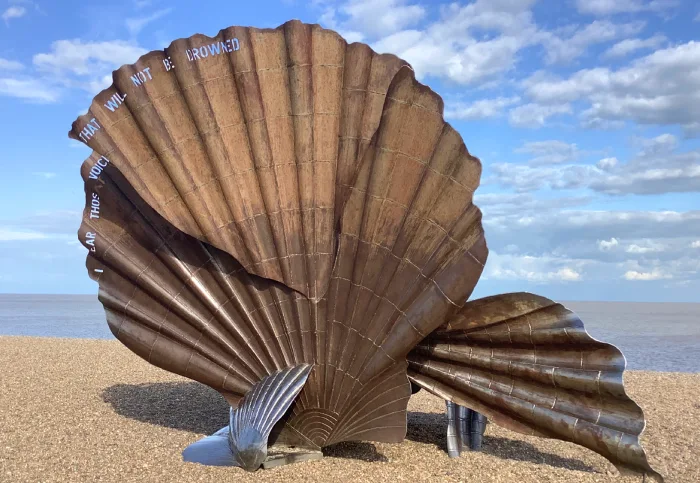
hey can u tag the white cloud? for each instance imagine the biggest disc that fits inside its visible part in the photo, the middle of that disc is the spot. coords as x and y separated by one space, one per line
30 89
646 276
655 89
472 43
647 247
20 235
606 245
524 178
357 19
44 174
695 244
549 227
453 46
82 58
657 168
10 64
535 115
13 12
549 152
609 7
607 163
85 65
628 46
382 17
136 24
57 224
564 49
567 274
534 269
481 109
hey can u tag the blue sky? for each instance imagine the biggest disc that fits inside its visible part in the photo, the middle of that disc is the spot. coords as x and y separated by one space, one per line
584 113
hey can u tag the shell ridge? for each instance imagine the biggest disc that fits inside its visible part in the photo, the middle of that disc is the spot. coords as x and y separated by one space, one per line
309 258
246 116
351 410
250 255
272 314
339 329
453 253
382 295
234 241
331 312
166 168
345 428
106 133
298 344
281 255
275 239
171 143
249 314
166 242
233 300
348 295
374 167
178 271
131 308
181 272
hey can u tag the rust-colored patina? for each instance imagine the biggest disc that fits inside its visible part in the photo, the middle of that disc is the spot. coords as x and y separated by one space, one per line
281 198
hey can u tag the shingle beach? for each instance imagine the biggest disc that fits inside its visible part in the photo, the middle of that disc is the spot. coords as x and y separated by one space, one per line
90 410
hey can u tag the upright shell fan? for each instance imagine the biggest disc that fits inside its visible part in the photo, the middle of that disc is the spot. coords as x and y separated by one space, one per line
278 202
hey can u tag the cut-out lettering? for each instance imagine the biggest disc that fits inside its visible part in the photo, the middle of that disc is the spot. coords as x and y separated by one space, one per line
168 64
216 48
115 101
90 238
95 206
142 77
89 130
98 167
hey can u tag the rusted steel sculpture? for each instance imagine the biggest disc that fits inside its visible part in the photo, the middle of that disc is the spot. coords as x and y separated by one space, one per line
279 202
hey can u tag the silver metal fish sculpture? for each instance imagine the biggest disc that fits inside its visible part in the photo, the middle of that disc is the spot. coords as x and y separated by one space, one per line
243 442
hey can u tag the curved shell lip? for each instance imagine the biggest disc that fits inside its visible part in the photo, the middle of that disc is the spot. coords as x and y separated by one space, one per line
145 57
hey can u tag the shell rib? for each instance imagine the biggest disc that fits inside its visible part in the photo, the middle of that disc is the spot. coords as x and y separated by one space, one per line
252 144
528 364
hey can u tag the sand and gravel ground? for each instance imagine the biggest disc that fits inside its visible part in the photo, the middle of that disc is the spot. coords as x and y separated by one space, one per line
90 410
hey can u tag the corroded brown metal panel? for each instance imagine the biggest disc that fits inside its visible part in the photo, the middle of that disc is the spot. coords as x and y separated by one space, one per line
529 365
248 140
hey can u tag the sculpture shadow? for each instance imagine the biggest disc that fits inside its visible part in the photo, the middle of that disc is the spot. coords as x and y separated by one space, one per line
188 406
196 408
356 450
431 428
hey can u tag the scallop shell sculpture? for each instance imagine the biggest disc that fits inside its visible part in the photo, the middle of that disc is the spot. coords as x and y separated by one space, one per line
270 198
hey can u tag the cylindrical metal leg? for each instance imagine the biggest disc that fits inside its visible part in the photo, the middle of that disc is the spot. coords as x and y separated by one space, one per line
477 428
452 438
463 419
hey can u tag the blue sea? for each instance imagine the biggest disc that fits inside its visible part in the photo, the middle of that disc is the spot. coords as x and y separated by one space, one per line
652 336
